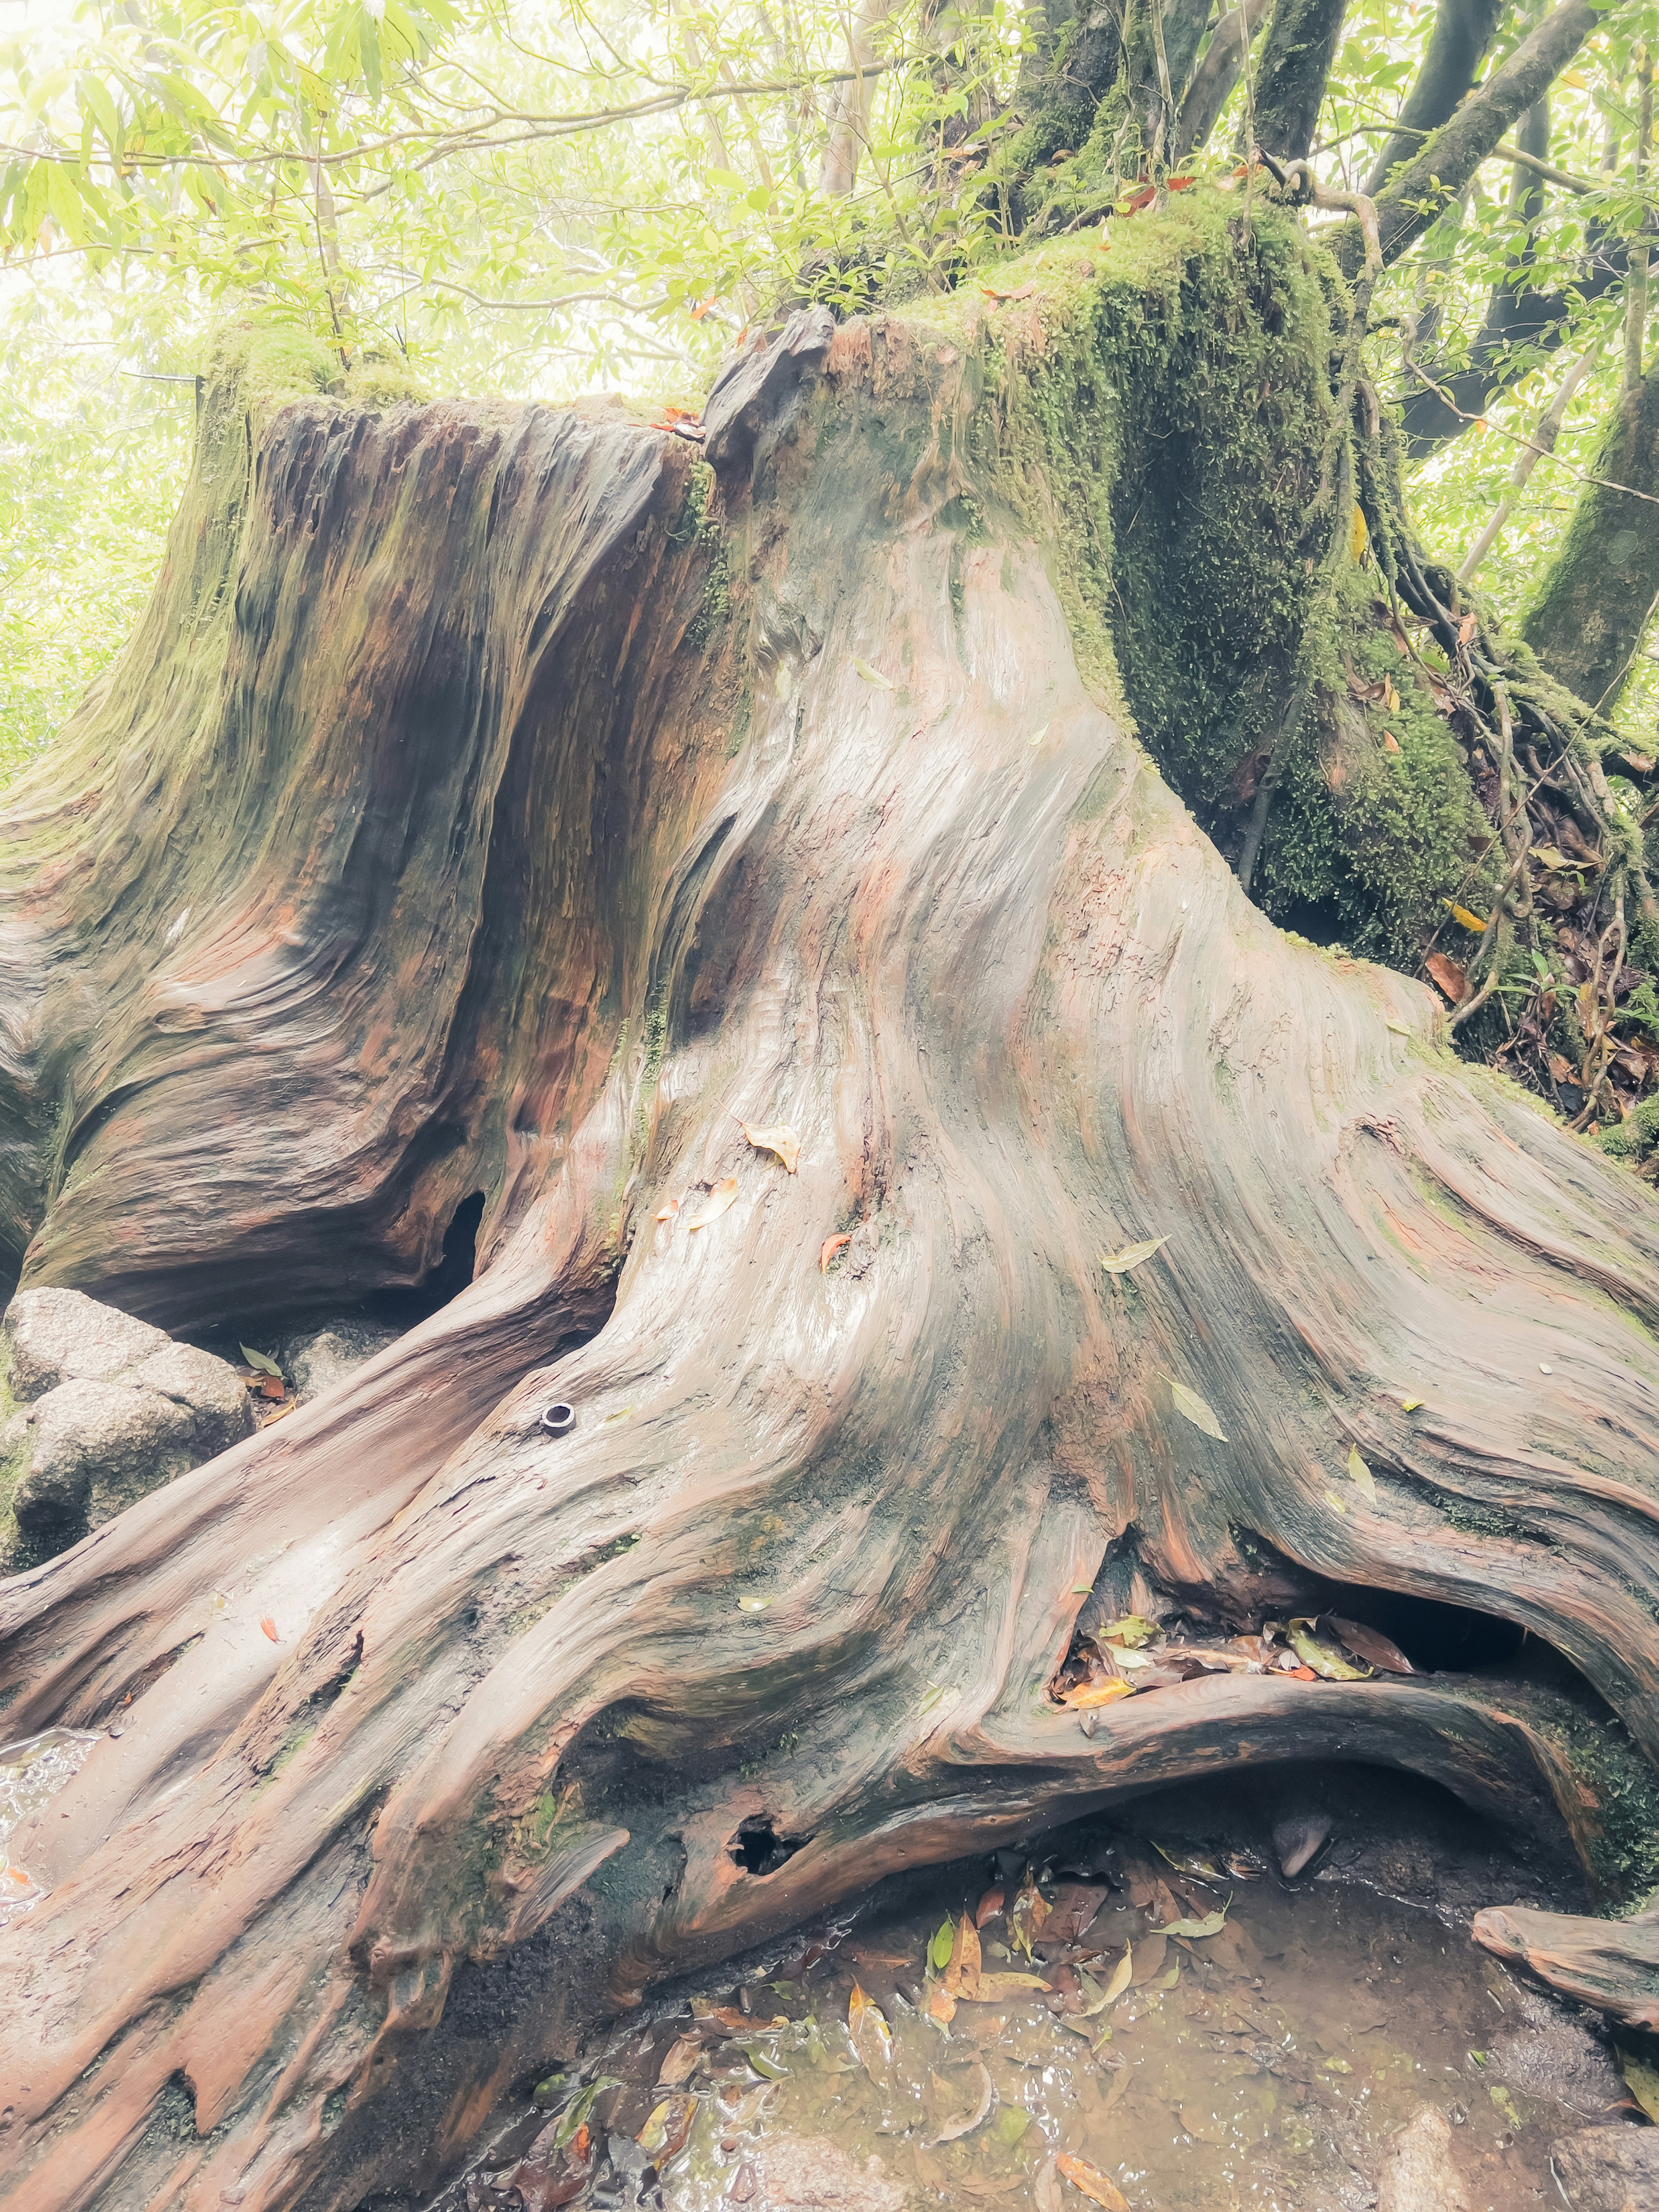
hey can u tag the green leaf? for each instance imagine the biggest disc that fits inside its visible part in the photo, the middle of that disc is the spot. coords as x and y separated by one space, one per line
1193 1407
939 1949
576 2111
261 1362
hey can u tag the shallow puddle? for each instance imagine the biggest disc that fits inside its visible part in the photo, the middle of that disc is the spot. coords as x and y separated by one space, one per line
1268 2063
32 1771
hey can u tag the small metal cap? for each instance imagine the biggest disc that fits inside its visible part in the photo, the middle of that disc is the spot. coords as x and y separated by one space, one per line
559 1418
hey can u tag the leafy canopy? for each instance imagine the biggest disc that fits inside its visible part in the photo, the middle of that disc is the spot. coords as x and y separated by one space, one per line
539 198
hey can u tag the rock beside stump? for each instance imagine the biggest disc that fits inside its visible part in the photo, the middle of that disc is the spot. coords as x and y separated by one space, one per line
96 1411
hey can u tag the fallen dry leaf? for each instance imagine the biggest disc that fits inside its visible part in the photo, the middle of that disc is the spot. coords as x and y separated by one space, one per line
716 1203
1361 1476
679 2061
987 1908
1092 2182
666 1211
1137 200
1119 1263
1188 1403
872 2039
993 1989
1022 292
829 1246
270 1627
782 1140
1098 1693
1448 975
668 2129
1368 1643
967 2121
961 1974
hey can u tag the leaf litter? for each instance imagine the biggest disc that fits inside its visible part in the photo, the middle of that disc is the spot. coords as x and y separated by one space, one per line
1133 1655
1151 2052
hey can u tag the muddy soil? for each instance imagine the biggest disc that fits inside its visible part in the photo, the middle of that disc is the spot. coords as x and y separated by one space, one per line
1195 2032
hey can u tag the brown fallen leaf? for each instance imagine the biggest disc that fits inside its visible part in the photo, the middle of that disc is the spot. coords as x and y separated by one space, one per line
997 1988
1180 183
1076 1907
782 1140
1368 1643
1092 2182
667 1210
961 1974
987 1908
829 1246
272 1386
965 2122
679 2061
716 1203
866 1957
1021 292
270 1627
1448 975
1137 200
941 2005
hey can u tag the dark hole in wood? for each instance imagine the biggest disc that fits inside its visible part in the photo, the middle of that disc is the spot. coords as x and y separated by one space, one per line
757 1848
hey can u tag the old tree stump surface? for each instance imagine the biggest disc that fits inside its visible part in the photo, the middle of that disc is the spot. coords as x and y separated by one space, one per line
498 801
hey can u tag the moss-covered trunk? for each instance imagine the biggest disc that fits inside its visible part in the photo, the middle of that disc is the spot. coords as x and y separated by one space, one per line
521 803
1592 610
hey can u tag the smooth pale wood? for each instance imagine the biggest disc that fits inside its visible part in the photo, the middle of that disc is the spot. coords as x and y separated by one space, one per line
474 805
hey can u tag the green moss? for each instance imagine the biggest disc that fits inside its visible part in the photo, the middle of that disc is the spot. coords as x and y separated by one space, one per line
697 524
1161 438
271 363
1624 1856
1375 823
384 381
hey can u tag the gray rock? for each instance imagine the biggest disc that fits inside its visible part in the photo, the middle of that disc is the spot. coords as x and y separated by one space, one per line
810 2173
109 1409
49 1337
1610 2169
96 1447
1417 2175
214 1393
316 1362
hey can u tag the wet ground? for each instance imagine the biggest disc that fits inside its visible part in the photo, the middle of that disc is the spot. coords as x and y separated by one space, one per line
1192 2033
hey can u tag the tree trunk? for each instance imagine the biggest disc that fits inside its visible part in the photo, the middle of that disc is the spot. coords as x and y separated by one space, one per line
1463 32
1593 606
1296 60
507 801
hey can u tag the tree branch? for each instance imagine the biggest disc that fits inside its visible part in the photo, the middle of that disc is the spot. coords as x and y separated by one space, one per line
1450 159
